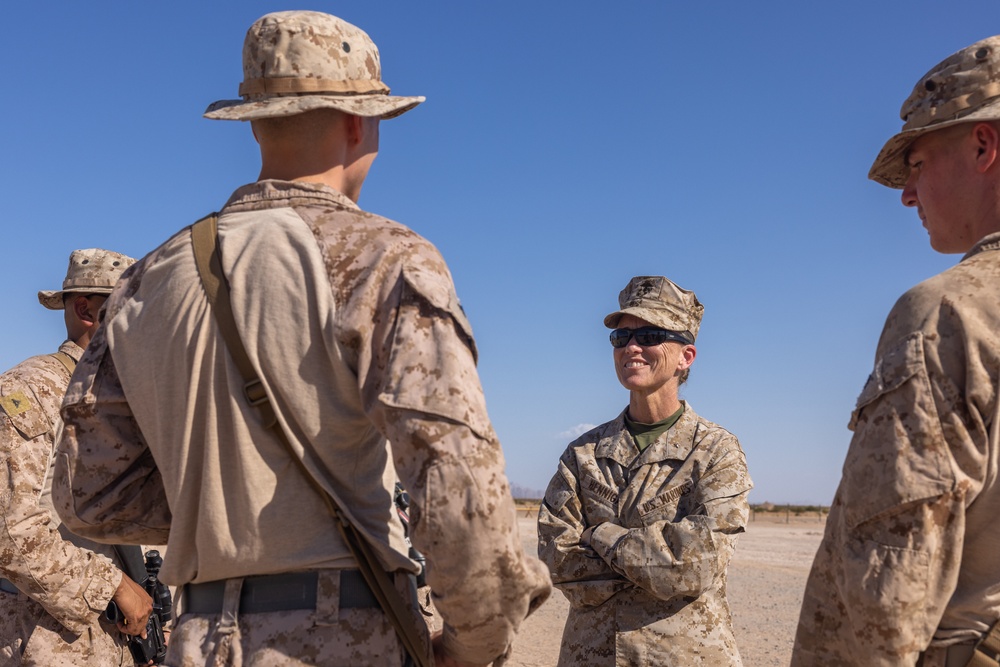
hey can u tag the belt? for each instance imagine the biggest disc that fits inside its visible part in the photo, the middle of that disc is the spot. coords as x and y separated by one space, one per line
958 655
961 655
278 592
8 587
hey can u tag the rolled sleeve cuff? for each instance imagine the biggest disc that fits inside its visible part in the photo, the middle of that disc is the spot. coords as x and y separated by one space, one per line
77 612
104 582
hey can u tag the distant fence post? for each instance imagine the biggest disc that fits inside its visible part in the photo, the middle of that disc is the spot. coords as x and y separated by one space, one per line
529 510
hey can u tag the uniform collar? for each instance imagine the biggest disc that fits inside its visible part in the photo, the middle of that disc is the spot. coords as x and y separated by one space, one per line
617 443
72 349
677 442
988 242
273 190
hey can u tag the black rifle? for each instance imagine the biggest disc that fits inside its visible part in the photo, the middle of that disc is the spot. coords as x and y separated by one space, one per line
402 499
154 646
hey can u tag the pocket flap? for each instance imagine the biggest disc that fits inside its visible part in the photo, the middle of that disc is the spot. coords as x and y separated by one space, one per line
898 454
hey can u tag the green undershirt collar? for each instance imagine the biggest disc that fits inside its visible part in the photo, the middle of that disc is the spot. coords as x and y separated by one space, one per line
645 434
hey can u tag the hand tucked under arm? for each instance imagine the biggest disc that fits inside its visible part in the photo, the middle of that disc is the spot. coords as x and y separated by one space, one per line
668 559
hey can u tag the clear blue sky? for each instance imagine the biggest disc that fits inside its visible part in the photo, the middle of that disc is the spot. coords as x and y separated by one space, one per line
564 147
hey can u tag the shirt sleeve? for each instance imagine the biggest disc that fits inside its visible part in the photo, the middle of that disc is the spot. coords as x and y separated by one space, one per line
577 569
106 485
72 584
890 557
431 408
672 559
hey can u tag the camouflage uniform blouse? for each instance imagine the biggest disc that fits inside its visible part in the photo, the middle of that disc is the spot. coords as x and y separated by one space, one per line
353 325
64 584
911 554
649 585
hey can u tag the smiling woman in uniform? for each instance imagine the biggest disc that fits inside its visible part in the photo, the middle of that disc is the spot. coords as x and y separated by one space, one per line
640 521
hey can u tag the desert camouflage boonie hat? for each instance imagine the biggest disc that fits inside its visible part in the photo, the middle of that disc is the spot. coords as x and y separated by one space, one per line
299 61
91 271
963 88
661 303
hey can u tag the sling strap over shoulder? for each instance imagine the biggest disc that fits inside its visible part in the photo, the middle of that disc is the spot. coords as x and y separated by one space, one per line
205 240
66 360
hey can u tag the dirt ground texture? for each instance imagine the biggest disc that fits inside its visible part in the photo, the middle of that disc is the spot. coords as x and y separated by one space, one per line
766 580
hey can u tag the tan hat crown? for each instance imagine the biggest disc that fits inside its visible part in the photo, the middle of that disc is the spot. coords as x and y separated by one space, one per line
299 61
660 302
91 271
955 87
962 88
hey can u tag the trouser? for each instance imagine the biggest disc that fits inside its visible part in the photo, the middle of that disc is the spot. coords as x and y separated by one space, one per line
291 620
30 636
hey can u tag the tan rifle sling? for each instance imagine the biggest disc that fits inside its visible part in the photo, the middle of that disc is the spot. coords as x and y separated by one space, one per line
66 360
204 238
987 653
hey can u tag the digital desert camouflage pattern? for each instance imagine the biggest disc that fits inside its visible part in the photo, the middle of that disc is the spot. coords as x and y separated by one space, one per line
289 638
649 585
65 582
354 326
91 271
909 558
299 61
962 88
660 302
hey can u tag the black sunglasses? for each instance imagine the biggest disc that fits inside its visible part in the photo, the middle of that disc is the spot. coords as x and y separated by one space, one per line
647 336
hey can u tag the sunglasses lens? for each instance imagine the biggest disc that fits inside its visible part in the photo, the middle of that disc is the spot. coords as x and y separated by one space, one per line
620 337
650 336
646 336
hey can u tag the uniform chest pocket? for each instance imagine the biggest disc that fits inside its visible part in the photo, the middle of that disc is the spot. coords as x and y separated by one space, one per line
898 454
600 500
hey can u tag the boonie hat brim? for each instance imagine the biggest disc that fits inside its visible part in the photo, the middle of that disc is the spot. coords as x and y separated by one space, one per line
53 299
299 61
90 271
368 106
890 167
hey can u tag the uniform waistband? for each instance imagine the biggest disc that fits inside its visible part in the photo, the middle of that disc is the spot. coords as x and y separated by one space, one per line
8 587
958 655
278 592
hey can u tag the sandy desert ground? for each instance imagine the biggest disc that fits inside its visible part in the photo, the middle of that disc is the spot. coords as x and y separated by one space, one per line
766 579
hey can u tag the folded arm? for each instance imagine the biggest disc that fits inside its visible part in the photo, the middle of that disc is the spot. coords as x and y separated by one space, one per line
577 569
